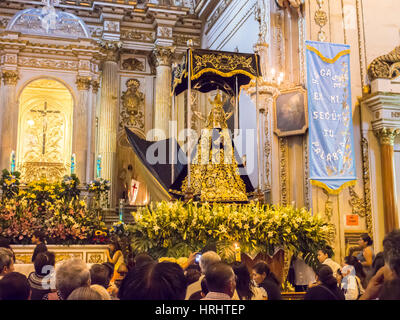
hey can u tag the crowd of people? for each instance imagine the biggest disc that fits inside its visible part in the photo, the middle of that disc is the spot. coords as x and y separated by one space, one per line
364 277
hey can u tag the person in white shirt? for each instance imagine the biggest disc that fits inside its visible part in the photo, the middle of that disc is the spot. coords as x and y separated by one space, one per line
350 283
208 258
325 257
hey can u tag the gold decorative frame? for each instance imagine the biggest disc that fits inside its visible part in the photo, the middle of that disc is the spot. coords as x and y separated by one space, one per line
301 131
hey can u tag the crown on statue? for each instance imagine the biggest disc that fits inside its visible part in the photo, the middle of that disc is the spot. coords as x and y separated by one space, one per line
218 101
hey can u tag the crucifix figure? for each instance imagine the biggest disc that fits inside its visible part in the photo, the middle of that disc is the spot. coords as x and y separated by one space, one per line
44 113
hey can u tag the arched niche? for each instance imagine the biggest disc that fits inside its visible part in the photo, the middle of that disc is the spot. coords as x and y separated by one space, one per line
44 130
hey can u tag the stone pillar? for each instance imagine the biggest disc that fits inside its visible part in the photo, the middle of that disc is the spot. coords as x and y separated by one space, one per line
80 128
162 108
108 121
90 167
386 138
9 127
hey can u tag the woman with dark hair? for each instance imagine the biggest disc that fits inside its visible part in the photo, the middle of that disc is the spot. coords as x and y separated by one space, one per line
353 261
115 256
326 288
352 273
38 238
245 288
379 262
366 256
44 268
154 281
264 278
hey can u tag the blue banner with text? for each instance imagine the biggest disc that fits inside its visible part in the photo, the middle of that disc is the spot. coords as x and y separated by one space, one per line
331 151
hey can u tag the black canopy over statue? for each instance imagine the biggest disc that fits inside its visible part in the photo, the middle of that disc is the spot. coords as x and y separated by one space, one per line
211 70
170 175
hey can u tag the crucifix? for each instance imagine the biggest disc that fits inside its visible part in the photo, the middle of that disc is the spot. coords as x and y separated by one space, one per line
44 113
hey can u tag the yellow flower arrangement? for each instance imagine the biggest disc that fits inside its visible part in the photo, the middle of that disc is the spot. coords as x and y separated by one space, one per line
175 229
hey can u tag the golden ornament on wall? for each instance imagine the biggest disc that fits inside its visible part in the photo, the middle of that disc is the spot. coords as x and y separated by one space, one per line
133 101
321 18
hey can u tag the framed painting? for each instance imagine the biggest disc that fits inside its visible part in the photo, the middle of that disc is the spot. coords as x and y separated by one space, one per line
290 112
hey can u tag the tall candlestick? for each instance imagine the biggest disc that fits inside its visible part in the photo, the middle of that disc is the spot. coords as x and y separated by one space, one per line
238 257
121 209
12 161
73 162
98 166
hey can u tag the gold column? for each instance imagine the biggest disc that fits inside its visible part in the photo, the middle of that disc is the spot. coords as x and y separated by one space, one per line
108 121
162 113
80 132
9 128
386 138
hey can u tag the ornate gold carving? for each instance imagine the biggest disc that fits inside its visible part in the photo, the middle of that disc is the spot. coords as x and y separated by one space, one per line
111 49
387 135
95 257
133 101
68 255
283 149
4 22
47 63
328 206
362 207
386 66
25 258
34 171
138 35
10 77
306 174
267 146
362 53
133 64
225 62
164 32
43 142
321 19
182 39
95 86
163 55
95 32
214 172
83 83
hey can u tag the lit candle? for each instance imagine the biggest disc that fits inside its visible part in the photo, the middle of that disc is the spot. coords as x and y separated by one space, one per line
12 161
73 161
121 209
273 73
98 166
237 253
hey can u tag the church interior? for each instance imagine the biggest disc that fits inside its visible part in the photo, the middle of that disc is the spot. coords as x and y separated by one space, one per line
100 89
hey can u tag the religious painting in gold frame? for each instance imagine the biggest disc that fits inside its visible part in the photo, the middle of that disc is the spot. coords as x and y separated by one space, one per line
291 112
